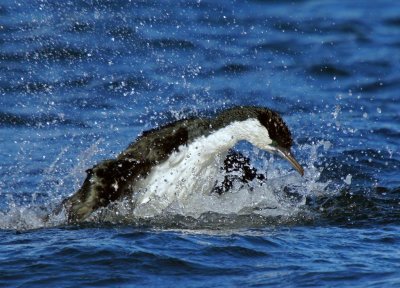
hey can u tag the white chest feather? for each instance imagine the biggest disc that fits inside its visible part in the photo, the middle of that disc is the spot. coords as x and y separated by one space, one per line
194 167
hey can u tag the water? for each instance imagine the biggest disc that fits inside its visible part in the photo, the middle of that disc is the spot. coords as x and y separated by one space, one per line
79 80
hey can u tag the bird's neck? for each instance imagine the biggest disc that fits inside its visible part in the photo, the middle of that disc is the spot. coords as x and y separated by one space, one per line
194 166
221 140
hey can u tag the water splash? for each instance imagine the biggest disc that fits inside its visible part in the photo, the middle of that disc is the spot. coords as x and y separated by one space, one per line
282 196
22 212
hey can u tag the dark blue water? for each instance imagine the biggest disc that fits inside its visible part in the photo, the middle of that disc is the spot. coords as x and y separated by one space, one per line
79 80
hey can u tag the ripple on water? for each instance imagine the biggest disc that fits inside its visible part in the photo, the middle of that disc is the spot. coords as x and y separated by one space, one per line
234 251
127 83
284 47
173 44
53 52
233 69
37 121
328 70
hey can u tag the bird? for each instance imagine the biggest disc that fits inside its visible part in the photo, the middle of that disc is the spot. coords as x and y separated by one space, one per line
182 157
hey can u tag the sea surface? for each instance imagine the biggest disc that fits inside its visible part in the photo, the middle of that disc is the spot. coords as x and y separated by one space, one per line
80 80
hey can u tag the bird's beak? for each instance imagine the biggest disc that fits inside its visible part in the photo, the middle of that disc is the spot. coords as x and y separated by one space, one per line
289 157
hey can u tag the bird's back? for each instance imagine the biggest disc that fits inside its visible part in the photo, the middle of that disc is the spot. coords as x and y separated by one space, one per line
112 179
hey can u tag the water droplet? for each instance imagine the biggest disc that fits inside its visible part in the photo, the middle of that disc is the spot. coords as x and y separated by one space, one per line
347 180
327 145
379 110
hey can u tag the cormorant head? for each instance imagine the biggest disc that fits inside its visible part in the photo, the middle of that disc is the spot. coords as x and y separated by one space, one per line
275 138
280 135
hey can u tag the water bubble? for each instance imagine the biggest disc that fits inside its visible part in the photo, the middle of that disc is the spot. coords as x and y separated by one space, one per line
379 110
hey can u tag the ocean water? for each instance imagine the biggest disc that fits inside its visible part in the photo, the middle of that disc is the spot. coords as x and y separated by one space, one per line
80 80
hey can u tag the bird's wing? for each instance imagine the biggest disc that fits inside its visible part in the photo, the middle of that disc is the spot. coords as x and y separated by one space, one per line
106 182
113 179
